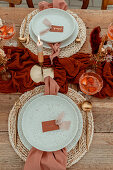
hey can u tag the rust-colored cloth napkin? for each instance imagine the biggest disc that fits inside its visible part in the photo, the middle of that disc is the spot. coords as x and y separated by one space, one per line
65 70
41 160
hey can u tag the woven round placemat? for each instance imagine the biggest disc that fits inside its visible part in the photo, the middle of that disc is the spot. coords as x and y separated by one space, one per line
76 152
67 51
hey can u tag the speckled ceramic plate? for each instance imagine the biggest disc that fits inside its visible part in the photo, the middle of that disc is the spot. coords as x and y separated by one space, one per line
56 17
65 43
77 135
46 108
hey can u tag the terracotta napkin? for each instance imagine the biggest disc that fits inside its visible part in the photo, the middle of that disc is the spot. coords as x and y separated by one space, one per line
41 160
61 4
51 86
66 70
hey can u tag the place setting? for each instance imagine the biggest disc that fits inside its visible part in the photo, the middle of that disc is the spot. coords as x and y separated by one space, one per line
71 38
51 107
51 31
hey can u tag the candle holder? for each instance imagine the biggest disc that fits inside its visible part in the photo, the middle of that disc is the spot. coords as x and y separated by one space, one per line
38 72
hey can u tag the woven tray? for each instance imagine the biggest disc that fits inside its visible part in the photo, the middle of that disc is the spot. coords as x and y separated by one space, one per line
66 51
77 152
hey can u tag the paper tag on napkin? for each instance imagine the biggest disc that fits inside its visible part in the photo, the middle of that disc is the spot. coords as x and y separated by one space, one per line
55 28
49 126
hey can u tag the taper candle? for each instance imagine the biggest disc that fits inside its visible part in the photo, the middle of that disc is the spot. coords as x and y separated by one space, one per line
40 51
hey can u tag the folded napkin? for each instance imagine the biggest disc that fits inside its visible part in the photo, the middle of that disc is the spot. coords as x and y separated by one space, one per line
41 160
95 39
61 4
51 86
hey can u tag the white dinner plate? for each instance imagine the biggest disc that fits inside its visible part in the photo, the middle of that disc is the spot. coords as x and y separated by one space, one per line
63 43
76 136
46 108
56 17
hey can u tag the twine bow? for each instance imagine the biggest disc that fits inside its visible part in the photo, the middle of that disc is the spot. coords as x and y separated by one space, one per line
48 24
65 125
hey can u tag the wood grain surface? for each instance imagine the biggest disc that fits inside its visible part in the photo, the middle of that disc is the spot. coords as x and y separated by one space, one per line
100 155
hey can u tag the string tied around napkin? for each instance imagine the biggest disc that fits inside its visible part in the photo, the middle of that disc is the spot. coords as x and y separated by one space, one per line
65 125
55 51
51 28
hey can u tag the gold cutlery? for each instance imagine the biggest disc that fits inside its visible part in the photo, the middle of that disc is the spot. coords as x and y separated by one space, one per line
28 36
77 40
87 107
16 131
23 38
79 145
27 39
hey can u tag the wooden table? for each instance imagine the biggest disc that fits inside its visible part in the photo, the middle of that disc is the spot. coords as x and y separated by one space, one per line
100 155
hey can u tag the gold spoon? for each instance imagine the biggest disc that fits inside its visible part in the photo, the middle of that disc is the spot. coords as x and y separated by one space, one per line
86 106
16 131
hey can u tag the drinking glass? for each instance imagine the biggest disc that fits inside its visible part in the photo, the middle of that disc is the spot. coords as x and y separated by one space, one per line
90 82
110 31
6 33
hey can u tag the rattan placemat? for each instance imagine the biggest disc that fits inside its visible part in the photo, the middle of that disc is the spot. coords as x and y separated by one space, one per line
77 152
67 51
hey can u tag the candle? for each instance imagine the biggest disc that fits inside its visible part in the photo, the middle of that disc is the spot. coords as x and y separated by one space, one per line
40 51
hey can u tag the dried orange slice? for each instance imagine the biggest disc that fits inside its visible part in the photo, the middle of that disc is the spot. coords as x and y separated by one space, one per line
84 81
2 29
92 89
90 80
10 30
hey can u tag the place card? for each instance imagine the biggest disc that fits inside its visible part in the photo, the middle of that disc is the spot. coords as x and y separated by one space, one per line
49 126
55 28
